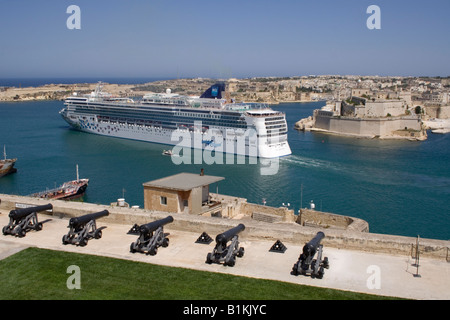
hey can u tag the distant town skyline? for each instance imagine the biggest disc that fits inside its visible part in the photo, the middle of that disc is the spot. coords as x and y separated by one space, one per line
176 39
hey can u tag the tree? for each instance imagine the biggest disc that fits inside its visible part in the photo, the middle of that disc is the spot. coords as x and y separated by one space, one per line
418 110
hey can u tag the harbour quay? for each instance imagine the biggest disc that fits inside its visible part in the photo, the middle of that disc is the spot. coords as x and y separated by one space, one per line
351 254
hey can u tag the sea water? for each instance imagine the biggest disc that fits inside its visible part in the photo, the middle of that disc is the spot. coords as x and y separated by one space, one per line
398 187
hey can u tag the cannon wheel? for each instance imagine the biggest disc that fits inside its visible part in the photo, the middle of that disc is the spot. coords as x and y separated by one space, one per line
241 252
20 232
230 262
295 269
38 226
98 234
153 251
65 239
82 242
320 273
208 258
5 230
325 263
133 247
165 242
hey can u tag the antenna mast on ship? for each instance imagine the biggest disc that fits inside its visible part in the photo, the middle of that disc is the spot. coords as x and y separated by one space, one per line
99 88
78 178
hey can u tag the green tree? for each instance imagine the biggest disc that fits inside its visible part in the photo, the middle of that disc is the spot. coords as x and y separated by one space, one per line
418 110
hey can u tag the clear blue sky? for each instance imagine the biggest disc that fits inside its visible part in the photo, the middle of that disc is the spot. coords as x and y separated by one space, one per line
170 38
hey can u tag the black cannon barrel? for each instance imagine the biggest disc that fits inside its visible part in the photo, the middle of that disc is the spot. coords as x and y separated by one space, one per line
23 212
152 226
311 247
77 221
229 234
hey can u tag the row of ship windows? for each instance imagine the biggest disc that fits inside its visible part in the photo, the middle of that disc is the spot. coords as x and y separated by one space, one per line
283 125
164 101
276 131
174 120
268 124
141 113
168 109
197 115
273 119
165 124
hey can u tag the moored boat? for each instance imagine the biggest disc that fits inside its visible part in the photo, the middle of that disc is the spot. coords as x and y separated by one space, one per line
67 191
7 165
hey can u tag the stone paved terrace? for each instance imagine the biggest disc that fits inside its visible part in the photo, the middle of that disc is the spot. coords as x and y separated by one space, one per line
352 255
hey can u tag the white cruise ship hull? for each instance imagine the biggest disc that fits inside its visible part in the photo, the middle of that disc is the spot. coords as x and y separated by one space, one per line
219 139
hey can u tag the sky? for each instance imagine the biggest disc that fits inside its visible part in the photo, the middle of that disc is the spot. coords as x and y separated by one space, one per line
223 39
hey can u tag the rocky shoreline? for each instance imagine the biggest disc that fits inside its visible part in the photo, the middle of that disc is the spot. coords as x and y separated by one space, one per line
273 91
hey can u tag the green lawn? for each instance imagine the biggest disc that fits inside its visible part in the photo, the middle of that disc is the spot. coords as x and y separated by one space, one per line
42 274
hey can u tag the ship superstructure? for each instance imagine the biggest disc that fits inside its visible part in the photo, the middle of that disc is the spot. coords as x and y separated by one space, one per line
206 122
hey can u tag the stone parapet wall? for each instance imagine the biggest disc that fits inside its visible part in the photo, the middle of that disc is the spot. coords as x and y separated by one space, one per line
331 220
249 209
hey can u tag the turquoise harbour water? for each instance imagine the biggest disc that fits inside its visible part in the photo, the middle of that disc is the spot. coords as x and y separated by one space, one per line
399 187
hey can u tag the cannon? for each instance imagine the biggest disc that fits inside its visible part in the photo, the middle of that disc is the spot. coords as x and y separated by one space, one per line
307 264
84 228
224 253
151 236
24 219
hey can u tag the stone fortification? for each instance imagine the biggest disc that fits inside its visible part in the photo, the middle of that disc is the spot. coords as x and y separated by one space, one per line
361 117
289 232
383 128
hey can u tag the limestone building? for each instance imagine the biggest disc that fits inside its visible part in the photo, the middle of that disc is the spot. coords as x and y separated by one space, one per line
181 193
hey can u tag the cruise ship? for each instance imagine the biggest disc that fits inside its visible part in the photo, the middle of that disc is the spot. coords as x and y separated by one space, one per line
208 122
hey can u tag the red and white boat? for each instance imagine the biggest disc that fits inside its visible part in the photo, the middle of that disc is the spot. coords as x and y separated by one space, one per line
7 165
68 190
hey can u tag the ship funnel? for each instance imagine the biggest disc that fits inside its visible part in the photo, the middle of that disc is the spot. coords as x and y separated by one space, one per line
214 92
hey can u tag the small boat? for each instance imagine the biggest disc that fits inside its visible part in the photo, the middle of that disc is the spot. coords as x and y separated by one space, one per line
167 153
7 165
67 191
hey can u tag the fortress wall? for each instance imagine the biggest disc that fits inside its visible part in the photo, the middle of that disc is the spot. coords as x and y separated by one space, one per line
285 232
330 220
250 209
442 112
365 127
